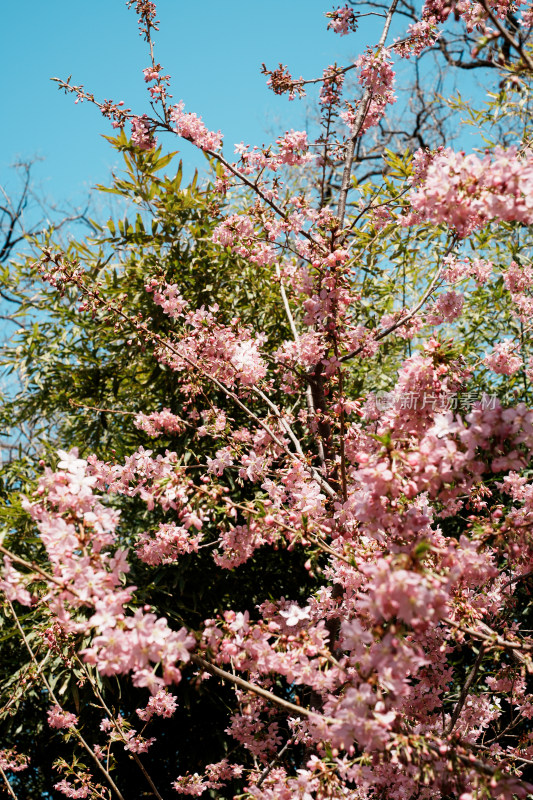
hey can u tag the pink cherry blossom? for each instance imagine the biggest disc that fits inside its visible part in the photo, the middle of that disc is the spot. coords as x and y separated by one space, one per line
57 718
467 192
504 359
141 133
11 760
190 126
162 704
159 422
293 615
447 308
341 432
342 20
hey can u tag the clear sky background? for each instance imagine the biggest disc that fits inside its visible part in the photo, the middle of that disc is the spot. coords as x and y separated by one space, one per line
213 50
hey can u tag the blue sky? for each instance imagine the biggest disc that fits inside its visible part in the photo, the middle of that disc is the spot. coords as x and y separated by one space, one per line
212 50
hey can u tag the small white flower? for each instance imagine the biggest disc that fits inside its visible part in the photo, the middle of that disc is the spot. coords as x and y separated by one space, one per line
294 614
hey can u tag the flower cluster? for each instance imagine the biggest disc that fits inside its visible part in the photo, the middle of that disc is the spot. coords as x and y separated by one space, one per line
57 718
162 704
281 81
377 76
342 20
77 530
466 192
228 353
414 517
419 35
503 359
73 790
11 760
190 126
458 269
447 308
159 422
141 133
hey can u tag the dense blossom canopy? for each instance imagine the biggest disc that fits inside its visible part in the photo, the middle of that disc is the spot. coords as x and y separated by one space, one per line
404 673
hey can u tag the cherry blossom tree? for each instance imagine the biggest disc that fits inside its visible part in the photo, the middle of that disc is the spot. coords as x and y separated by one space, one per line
404 671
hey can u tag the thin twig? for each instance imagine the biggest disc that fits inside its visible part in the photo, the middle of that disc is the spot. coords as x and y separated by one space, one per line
358 124
517 578
266 695
411 313
8 785
464 691
277 758
110 714
292 325
166 344
74 730
491 639
32 566
507 36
